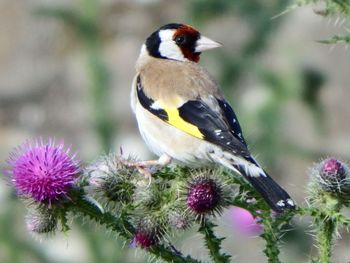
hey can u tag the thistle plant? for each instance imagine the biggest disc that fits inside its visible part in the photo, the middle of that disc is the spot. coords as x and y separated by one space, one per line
339 10
147 214
328 193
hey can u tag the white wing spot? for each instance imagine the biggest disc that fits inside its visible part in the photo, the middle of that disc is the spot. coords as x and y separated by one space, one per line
234 120
239 135
281 203
290 202
218 132
221 137
228 143
156 105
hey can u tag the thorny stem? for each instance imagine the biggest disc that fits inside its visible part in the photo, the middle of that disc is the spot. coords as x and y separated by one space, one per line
325 233
213 243
124 228
326 220
272 240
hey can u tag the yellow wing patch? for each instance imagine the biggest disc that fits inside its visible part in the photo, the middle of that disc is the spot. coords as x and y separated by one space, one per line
175 120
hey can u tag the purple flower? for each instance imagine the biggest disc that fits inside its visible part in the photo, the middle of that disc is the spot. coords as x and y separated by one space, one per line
243 221
332 168
42 171
204 195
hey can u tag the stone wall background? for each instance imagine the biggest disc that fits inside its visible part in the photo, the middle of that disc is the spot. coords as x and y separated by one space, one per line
43 92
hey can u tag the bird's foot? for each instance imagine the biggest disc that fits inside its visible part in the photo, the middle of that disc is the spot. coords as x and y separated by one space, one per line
145 167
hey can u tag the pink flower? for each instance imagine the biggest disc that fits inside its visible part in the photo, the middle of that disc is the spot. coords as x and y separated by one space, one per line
243 221
332 175
332 167
42 171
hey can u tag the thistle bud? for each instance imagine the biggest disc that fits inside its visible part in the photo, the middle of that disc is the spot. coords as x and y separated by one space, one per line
148 233
144 238
180 218
110 177
206 194
41 222
333 175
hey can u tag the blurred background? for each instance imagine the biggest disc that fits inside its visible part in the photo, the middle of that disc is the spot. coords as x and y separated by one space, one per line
66 69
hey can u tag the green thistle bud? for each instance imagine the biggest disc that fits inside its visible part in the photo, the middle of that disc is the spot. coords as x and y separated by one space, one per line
180 218
110 177
41 222
152 196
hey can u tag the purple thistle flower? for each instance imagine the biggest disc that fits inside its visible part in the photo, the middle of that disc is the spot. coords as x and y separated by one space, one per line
42 171
204 195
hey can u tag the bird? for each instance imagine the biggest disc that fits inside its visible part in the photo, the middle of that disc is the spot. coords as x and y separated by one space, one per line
182 114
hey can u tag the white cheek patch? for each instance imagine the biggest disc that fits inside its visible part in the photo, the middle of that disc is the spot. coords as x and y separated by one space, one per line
168 48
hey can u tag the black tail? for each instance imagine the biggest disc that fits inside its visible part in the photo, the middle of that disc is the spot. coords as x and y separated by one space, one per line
277 198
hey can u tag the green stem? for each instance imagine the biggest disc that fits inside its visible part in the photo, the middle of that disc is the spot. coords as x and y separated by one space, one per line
213 243
325 209
274 227
271 237
324 236
124 228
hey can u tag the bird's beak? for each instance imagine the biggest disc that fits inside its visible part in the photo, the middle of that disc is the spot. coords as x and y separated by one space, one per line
204 43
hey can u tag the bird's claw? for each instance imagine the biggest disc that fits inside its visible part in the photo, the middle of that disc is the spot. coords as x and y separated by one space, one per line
141 167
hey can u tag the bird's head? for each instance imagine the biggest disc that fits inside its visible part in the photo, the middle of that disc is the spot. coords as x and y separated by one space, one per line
178 42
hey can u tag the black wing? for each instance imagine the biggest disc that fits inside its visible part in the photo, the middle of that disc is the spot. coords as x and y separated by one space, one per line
220 128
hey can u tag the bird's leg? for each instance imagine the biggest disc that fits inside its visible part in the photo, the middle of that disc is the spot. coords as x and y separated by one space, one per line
163 160
143 166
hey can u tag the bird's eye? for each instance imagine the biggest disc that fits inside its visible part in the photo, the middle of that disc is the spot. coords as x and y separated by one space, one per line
180 40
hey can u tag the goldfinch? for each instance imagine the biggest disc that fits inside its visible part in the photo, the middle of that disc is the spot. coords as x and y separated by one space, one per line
183 116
